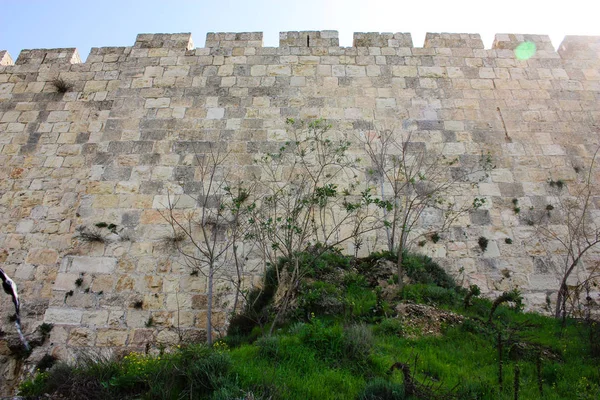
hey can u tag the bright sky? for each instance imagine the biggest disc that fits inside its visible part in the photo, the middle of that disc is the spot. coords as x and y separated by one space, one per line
29 24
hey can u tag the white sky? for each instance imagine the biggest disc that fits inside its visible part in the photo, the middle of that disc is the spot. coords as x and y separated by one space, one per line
26 24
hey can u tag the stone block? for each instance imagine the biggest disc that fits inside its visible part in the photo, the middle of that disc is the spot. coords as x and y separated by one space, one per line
111 337
63 316
42 256
92 265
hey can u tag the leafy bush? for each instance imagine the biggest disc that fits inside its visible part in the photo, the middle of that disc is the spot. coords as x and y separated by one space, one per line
380 389
319 298
317 261
422 269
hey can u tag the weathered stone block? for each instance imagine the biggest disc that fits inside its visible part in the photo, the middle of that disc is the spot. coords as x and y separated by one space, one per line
63 316
92 265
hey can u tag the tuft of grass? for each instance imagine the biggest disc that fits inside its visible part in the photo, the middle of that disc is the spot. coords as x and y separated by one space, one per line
61 85
88 235
172 242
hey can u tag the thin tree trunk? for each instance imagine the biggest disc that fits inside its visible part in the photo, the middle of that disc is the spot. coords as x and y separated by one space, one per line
561 299
209 302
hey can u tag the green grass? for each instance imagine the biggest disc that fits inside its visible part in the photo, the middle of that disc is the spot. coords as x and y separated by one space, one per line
318 354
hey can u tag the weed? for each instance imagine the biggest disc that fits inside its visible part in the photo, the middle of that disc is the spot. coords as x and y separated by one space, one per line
474 291
45 328
435 237
508 240
78 282
390 326
483 243
150 322
46 362
380 389
87 235
138 304
513 296
516 207
172 242
61 85
358 342
559 184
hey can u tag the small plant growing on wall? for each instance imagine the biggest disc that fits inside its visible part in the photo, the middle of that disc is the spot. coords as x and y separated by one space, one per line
516 207
98 233
90 235
61 85
559 184
483 243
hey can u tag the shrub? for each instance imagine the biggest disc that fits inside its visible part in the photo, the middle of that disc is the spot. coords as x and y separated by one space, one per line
46 363
319 298
316 262
327 340
268 347
390 326
430 294
256 309
206 374
380 389
358 342
422 269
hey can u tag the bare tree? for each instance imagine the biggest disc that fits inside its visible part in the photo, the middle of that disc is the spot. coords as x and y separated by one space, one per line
210 234
416 178
571 224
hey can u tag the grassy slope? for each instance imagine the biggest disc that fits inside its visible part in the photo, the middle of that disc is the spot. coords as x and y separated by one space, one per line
341 337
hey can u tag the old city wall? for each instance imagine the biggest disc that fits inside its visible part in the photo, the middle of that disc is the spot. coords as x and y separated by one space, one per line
123 138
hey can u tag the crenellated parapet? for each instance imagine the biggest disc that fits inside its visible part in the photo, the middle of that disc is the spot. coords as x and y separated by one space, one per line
453 40
5 58
48 56
309 39
231 40
580 47
376 39
319 43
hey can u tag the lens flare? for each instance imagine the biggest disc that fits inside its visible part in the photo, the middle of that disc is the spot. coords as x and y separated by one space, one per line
525 51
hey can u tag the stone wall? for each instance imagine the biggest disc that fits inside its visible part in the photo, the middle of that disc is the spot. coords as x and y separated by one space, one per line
123 138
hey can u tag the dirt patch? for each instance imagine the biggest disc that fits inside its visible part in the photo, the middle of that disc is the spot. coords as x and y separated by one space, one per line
422 320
